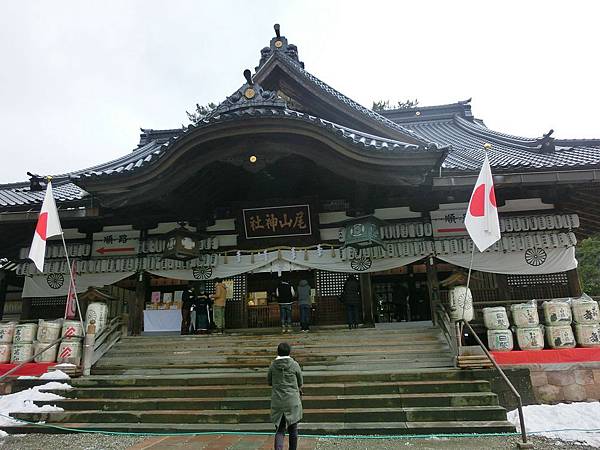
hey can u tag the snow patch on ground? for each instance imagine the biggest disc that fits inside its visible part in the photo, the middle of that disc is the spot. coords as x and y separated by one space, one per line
581 421
23 401
55 375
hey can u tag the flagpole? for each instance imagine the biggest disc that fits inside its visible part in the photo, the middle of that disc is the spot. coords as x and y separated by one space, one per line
62 235
71 281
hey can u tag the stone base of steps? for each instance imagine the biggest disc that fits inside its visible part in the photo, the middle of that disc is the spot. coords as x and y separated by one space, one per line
323 429
309 402
348 416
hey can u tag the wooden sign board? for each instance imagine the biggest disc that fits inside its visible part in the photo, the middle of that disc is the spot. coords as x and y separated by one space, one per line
277 221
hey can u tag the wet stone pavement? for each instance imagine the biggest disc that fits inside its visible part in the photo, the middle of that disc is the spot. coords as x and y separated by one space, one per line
229 442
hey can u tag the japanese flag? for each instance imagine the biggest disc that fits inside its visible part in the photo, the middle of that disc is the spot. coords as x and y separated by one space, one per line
48 225
481 219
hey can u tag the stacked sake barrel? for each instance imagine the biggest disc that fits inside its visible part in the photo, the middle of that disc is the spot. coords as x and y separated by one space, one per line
558 318
22 347
530 334
47 333
587 321
70 347
500 338
7 333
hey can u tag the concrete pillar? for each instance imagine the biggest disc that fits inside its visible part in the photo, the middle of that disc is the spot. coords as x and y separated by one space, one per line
367 298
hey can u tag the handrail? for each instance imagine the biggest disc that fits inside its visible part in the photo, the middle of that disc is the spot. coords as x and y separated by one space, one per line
447 327
52 344
95 346
504 377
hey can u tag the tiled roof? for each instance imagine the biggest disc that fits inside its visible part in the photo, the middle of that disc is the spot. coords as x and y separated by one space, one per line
298 68
146 156
454 125
18 194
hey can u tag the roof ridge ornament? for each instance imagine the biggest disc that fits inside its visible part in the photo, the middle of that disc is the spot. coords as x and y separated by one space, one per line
250 95
279 44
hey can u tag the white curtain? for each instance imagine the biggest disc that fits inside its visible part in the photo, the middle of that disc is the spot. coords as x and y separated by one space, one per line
57 284
528 262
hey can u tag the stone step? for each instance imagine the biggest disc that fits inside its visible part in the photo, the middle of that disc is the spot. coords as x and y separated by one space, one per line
198 378
133 367
308 402
237 391
268 352
348 415
254 361
323 428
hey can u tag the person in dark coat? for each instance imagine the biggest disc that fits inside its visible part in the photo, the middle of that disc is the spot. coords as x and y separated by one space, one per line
352 299
188 299
304 304
285 378
203 303
285 297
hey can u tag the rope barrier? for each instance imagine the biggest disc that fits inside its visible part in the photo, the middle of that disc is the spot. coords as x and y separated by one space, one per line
315 436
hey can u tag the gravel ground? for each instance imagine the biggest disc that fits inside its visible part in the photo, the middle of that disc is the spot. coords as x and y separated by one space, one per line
488 443
105 442
83 441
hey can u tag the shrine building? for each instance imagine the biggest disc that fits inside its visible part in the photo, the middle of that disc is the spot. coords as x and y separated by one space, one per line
287 177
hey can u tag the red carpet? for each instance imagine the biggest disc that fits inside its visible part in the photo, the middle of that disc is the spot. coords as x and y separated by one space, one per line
567 355
29 369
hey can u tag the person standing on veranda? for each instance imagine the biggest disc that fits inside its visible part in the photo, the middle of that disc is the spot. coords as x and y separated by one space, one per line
285 297
188 300
305 304
352 299
219 298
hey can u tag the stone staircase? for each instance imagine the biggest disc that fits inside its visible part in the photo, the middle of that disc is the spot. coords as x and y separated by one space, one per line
366 381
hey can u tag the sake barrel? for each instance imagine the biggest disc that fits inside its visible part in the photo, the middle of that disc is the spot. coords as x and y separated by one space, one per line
461 303
5 353
72 328
98 312
525 314
500 340
530 338
560 336
588 335
48 355
585 311
48 331
69 352
7 332
21 352
25 332
557 313
495 318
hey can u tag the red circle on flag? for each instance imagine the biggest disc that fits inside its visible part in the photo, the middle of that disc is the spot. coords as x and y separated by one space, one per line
477 207
42 225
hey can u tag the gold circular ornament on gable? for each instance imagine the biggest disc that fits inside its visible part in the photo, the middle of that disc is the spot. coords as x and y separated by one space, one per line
278 44
249 93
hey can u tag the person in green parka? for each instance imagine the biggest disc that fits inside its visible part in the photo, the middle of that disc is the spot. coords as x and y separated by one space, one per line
285 378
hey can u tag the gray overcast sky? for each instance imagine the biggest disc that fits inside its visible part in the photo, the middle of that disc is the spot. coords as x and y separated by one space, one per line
79 78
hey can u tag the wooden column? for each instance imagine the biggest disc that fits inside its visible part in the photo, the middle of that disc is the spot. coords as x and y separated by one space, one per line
433 286
3 286
574 283
502 287
136 303
367 298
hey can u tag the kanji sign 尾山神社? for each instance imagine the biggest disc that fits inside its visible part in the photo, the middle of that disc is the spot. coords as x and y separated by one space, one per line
277 221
